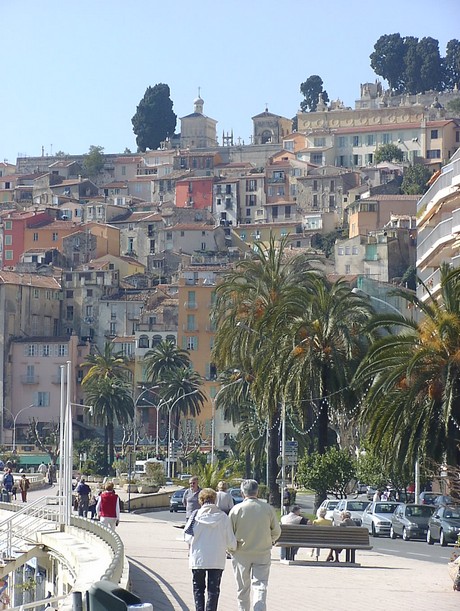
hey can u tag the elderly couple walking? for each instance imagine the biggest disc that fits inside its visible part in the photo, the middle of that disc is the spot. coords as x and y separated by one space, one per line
248 532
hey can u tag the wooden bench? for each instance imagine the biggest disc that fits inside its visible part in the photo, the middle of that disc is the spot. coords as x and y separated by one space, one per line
348 538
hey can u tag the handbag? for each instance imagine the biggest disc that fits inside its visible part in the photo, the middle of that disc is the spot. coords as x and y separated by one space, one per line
189 529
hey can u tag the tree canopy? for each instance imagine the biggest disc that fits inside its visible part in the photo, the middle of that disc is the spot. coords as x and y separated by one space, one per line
154 120
311 90
388 152
93 161
410 65
415 180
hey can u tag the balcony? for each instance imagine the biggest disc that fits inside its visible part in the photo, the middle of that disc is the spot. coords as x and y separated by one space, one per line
190 305
30 379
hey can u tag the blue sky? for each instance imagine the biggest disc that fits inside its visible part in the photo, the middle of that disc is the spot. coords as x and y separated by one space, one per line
74 72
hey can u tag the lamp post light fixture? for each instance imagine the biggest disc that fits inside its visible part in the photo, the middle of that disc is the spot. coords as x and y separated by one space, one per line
170 409
15 417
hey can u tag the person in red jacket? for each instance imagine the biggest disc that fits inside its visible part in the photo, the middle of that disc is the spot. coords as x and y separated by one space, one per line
108 507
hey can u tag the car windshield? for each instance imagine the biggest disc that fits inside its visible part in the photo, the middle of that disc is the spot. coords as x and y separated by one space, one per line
422 511
452 513
384 508
332 504
357 505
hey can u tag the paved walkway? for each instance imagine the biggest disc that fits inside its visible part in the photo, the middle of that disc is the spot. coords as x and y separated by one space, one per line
160 575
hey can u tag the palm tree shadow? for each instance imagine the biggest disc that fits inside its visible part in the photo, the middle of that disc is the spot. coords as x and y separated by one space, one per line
150 587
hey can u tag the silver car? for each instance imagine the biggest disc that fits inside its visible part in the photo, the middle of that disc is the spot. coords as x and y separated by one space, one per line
377 517
411 521
355 508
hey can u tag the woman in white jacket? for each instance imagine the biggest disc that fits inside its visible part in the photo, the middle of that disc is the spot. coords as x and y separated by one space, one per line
209 534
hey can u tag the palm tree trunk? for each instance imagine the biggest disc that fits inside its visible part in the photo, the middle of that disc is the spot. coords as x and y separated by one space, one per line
247 464
111 456
106 445
273 468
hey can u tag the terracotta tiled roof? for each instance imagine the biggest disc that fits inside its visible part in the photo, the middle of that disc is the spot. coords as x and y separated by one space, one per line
35 280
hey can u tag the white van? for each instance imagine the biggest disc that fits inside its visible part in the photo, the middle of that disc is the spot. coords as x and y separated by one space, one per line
140 465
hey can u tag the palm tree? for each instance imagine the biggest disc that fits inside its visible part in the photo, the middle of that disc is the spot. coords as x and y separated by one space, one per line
323 346
254 303
413 406
164 358
181 387
109 392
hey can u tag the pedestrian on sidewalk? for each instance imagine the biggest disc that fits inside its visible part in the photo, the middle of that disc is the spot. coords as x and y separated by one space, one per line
8 482
108 507
209 534
83 493
190 498
224 499
24 486
256 528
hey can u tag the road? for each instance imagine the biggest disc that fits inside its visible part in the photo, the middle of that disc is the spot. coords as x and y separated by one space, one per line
418 550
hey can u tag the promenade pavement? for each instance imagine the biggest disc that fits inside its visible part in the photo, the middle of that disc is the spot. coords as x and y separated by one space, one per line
160 575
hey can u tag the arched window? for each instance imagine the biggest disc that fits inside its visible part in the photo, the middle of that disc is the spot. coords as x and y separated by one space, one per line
171 338
143 341
156 340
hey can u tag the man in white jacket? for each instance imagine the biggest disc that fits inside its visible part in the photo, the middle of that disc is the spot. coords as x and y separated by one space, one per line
256 528
209 534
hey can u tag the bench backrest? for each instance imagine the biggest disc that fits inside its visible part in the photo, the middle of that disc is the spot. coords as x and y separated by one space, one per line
323 536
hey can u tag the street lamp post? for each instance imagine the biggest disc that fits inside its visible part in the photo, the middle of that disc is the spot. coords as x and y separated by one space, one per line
158 406
171 407
14 424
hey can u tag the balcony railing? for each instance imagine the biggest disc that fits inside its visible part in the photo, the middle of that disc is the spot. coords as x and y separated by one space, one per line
30 379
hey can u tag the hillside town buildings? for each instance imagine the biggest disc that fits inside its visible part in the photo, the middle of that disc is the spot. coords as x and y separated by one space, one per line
134 254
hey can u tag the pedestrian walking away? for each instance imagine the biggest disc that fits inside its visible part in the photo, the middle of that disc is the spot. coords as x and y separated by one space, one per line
83 492
209 534
24 486
224 499
190 498
8 482
256 529
108 507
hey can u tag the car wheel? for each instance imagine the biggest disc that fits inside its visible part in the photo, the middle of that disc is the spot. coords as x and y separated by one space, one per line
442 539
392 533
171 510
429 538
374 534
405 536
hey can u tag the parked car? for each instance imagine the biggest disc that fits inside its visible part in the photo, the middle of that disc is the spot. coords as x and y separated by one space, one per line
428 498
330 505
444 525
355 508
176 501
443 499
361 488
236 495
377 517
370 491
410 521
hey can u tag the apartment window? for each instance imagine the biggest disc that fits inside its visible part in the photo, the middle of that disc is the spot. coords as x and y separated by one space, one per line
278 175
288 145
357 160
341 142
191 324
36 293
30 374
315 201
348 269
340 250
354 250
8 255
55 236
370 140
386 138
319 141
191 300
356 141
347 250
89 311
89 292
8 240
280 190
331 201
251 200
8 225
113 328
63 350
433 154
203 245
369 158
46 350
123 170
192 343
332 186
315 185
169 235
317 158
130 245
434 134
35 238
69 313
41 399
275 212
287 212
69 294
